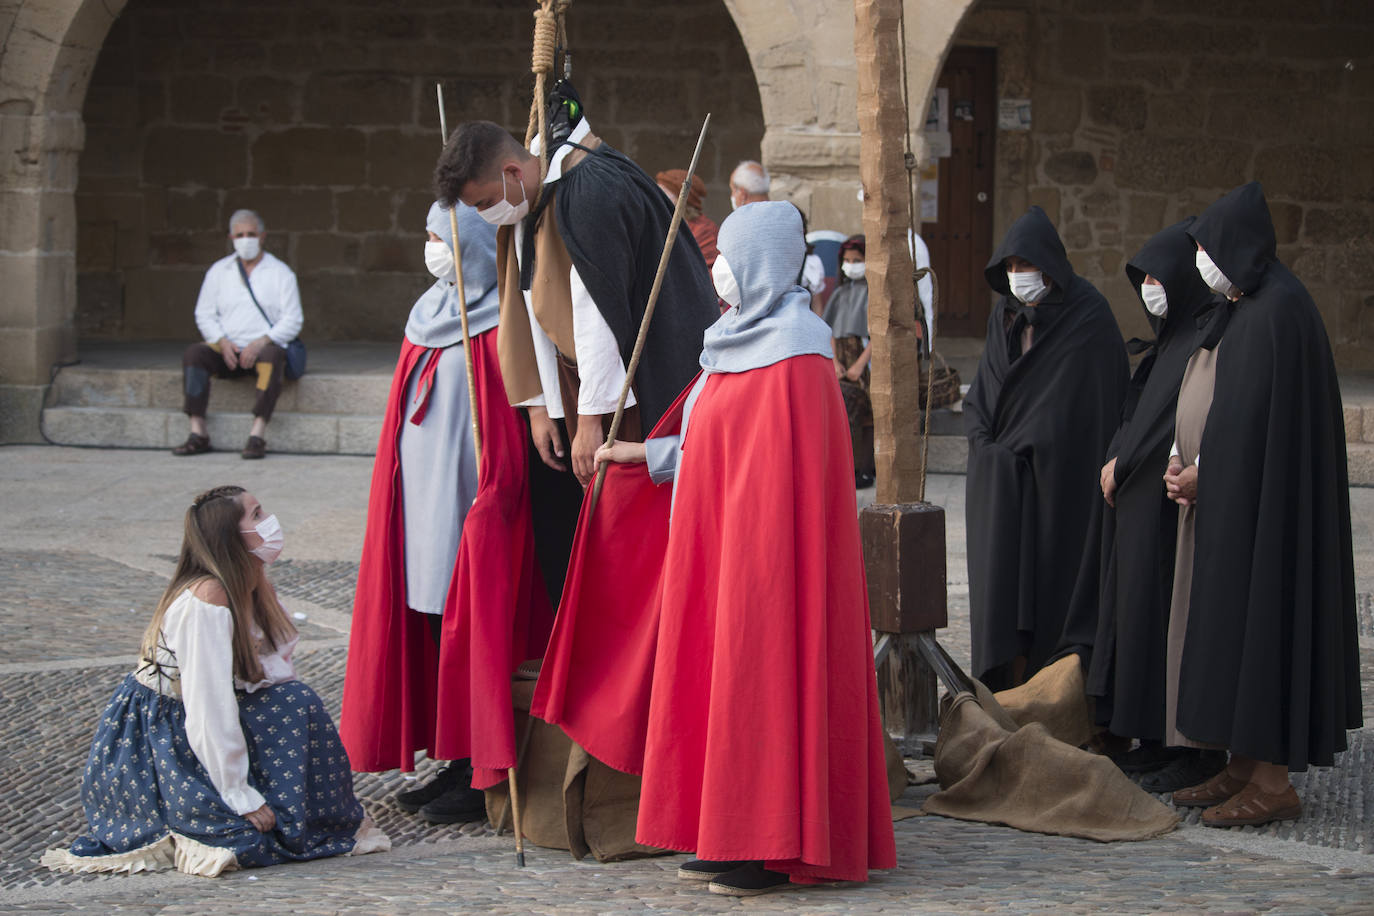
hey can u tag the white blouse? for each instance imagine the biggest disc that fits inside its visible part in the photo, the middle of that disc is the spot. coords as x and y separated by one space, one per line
201 637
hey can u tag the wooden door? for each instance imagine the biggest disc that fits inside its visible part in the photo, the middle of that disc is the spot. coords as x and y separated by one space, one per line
960 238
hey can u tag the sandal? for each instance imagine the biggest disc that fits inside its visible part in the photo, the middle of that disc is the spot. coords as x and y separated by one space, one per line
1253 807
194 445
1214 791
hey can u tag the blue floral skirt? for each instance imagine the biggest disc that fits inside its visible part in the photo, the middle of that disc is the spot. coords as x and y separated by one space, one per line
150 804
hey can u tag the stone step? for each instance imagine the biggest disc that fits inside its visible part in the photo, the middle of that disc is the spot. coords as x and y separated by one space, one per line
163 428
316 393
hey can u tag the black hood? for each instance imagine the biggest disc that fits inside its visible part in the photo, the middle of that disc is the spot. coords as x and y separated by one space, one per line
1238 233
1033 238
1169 257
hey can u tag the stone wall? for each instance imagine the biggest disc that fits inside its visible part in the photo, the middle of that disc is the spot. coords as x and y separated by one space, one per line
322 118
1145 113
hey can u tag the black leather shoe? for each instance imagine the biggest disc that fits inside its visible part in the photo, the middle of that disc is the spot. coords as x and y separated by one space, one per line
1190 769
457 806
1148 757
453 775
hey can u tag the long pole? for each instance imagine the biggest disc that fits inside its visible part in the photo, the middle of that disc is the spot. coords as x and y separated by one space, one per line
649 307
462 294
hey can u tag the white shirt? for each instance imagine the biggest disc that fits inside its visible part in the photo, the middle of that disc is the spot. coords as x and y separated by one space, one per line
225 309
600 368
201 637
813 274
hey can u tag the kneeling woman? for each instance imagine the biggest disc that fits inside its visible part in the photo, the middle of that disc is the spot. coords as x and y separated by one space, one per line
211 755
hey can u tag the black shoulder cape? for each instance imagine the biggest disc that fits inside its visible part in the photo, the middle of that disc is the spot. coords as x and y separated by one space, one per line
1270 664
614 220
1128 669
1038 425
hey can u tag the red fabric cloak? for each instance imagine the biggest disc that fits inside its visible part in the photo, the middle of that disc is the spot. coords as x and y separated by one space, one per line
762 738
401 694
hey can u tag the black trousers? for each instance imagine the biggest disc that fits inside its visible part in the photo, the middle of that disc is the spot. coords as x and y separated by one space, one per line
201 361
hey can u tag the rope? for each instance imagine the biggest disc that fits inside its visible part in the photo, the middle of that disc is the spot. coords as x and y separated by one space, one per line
917 273
550 33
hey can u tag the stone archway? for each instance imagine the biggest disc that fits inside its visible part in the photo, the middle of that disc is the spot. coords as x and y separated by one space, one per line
49 50
802 52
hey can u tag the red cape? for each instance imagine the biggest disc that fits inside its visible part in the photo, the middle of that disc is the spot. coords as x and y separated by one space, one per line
758 704
401 695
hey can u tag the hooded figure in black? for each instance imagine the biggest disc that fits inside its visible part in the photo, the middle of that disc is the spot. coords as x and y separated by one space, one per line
1269 665
1127 674
1039 415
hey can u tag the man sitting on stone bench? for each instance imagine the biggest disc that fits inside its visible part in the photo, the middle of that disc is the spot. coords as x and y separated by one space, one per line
248 311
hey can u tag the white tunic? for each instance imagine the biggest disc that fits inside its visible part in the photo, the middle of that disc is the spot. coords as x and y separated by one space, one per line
200 637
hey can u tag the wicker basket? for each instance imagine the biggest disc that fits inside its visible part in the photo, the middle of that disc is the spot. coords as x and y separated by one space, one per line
945 389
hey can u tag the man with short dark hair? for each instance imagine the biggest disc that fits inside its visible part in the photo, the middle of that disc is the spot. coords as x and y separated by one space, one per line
249 310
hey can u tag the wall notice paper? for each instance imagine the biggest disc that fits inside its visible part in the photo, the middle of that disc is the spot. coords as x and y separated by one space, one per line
930 192
938 144
1013 114
937 115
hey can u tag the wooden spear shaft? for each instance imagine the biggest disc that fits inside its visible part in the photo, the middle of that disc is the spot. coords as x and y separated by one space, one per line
462 294
649 307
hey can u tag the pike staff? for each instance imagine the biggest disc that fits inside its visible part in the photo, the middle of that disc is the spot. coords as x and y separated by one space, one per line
649 307
462 292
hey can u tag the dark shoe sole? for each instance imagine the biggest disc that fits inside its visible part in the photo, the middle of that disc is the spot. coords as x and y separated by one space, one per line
710 873
454 817
1289 814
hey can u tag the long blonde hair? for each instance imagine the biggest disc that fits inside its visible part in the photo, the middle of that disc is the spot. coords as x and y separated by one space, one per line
213 548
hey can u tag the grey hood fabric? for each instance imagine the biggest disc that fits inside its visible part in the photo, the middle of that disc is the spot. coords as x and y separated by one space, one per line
847 309
434 319
763 244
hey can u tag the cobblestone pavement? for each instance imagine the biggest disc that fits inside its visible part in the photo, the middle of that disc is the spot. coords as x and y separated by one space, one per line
74 598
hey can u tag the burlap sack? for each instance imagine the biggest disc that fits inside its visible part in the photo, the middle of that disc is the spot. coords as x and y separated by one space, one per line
1055 698
1027 779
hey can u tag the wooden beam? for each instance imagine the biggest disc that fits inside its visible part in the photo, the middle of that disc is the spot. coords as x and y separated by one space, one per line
891 309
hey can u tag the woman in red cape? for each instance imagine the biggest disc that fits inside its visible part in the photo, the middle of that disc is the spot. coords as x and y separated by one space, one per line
402 692
757 702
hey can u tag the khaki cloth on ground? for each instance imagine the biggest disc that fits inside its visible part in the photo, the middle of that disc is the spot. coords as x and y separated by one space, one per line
570 800
993 770
1055 697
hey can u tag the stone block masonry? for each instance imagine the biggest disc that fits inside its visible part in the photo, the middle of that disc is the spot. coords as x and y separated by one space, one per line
323 119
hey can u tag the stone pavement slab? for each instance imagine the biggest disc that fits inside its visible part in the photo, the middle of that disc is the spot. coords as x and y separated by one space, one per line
91 534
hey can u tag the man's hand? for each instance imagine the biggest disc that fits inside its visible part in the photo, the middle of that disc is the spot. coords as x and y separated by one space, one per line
547 441
1180 483
1108 482
263 819
229 352
249 354
620 453
585 443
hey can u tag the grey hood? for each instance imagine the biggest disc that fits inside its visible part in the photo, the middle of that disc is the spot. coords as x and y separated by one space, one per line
434 319
763 244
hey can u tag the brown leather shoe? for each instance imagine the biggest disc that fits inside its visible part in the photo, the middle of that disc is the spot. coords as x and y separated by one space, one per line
1214 791
256 447
1253 806
194 445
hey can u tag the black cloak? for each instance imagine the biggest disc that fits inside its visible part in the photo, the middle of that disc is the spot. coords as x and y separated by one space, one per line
1128 670
1270 665
1038 425
613 219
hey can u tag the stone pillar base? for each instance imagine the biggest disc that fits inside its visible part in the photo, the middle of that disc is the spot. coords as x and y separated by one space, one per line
21 406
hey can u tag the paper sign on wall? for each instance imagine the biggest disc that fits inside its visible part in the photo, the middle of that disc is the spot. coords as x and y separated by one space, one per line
930 192
1013 114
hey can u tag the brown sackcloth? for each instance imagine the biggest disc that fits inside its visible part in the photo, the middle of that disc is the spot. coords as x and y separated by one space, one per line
1055 698
1029 780
570 800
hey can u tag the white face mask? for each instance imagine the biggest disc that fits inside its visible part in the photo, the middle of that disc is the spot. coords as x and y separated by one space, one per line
1211 274
272 539
854 270
248 248
503 212
724 279
439 260
1156 300
1027 285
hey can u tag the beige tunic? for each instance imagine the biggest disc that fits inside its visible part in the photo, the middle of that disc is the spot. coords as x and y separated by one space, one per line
1194 403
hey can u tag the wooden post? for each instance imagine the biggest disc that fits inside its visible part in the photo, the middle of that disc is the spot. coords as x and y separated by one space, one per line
904 541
